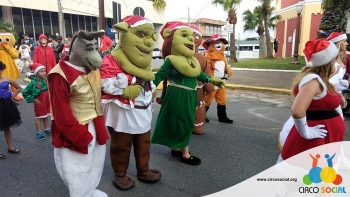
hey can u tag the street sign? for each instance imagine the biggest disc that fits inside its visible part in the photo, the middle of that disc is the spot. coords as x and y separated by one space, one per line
228 28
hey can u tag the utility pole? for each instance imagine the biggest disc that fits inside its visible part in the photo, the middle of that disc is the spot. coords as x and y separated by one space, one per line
101 18
188 15
62 32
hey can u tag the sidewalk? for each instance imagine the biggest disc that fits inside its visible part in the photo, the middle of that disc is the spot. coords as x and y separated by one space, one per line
279 81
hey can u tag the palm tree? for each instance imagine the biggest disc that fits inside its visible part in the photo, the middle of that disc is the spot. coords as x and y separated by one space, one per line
254 21
266 11
230 7
159 4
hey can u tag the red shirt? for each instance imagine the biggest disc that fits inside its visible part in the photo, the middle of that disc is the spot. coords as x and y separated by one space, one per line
106 43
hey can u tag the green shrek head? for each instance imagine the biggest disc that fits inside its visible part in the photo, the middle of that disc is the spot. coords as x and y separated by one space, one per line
178 39
137 37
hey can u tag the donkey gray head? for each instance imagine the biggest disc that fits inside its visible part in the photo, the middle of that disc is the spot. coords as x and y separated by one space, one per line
84 50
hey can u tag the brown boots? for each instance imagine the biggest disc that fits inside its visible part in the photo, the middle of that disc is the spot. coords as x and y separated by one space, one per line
120 154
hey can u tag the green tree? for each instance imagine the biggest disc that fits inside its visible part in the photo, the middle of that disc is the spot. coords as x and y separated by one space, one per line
266 11
334 15
159 4
230 7
8 27
254 21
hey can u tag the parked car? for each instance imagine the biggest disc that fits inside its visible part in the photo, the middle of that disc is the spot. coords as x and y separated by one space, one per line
201 50
157 53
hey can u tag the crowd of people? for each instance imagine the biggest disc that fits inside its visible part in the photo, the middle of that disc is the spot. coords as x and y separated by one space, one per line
91 91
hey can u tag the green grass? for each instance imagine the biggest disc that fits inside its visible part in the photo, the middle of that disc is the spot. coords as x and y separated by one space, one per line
274 63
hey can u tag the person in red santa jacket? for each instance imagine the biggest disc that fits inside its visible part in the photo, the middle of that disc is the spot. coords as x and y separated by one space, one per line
44 55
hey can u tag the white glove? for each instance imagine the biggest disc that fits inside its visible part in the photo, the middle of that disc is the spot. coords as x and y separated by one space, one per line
342 85
309 132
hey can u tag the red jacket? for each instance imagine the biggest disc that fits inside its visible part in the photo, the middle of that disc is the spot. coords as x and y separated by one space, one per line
45 56
66 130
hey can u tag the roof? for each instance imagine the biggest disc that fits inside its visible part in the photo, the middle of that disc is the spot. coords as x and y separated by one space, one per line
210 21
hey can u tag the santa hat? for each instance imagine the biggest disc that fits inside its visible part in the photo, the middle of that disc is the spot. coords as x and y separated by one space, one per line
134 21
336 37
196 29
214 37
42 36
319 52
172 26
35 67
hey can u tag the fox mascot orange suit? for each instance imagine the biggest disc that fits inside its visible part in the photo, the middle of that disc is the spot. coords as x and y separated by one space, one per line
215 46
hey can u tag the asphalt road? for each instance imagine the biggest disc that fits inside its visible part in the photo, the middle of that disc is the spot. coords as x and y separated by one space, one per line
230 153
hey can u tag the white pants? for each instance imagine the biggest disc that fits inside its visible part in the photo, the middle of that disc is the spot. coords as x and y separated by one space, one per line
82 172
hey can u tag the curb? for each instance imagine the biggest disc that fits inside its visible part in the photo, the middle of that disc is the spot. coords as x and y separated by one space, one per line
258 88
250 88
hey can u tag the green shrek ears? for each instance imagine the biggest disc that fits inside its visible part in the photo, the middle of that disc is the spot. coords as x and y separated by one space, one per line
182 52
134 52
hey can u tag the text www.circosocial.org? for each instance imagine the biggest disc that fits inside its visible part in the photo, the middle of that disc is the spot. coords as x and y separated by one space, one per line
278 179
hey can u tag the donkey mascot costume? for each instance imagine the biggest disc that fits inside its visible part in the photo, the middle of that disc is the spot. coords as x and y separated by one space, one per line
78 131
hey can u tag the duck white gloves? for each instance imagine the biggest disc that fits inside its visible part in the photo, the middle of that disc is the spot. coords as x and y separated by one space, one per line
309 132
342 85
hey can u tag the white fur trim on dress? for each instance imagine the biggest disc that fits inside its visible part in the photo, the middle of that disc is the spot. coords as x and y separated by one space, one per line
307 78
339 38
323 57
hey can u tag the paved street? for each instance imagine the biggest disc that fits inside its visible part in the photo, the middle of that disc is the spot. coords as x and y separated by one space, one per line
229 153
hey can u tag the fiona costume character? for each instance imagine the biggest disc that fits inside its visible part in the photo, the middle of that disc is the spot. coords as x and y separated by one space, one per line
182 70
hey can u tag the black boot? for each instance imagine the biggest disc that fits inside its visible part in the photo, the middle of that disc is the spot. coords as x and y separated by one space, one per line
222 114
206 110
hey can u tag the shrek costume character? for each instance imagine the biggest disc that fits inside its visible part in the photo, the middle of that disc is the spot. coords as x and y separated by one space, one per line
79 134
127 97
182 70
202 88
215 46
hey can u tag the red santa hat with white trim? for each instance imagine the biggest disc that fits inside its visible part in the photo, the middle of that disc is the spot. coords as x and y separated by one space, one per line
319 52
134 20
35 67
214 37
173 25
336 37
196 29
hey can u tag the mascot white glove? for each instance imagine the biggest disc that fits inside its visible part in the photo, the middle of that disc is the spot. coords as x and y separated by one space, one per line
309 132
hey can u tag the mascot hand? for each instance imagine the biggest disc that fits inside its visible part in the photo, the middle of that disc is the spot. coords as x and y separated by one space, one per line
154 95
218 82
132 91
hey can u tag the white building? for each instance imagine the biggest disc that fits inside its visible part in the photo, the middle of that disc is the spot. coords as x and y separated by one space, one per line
34 17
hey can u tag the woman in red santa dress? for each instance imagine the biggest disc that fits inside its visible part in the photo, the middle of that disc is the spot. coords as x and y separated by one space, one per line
316 122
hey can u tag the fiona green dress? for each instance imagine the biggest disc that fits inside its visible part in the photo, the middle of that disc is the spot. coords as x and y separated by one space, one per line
176 117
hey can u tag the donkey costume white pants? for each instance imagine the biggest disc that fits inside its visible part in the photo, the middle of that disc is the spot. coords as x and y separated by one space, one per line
82 172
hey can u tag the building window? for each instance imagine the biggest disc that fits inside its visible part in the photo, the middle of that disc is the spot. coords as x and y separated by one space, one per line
67 23
109 22
17 20
28 25
211 30
246 48
116 13
81 22
37 22
256 47
46 22
206 29
74 23
139 11
54 22
94 23
88 23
